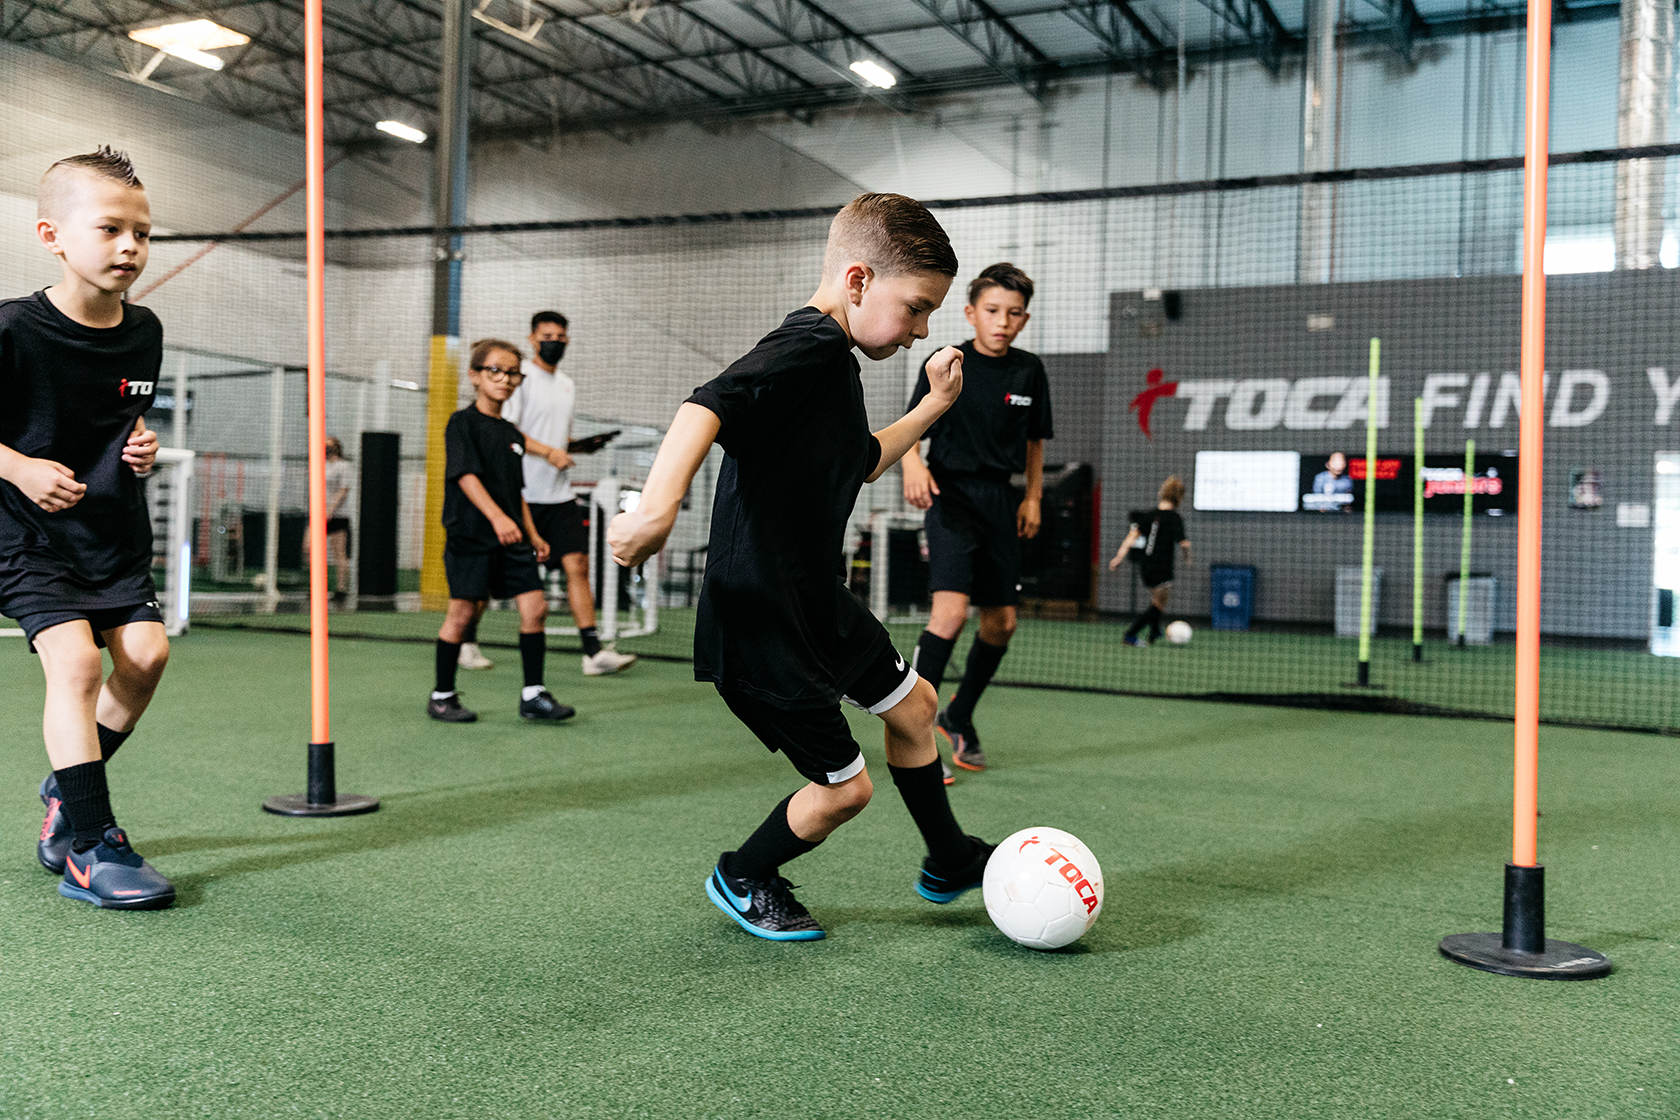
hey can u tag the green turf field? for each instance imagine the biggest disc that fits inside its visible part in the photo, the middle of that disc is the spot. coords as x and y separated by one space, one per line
520 932
1582 686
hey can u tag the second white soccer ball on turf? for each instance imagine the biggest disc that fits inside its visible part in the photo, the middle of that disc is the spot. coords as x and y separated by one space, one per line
1178 633
1043 888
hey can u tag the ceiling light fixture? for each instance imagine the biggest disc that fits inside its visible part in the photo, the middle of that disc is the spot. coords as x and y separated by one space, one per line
190 41
874 73
402 131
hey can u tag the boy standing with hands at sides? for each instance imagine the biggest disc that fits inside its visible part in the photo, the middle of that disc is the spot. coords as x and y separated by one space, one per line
974 525
78 366
1154 533
777 633
491 549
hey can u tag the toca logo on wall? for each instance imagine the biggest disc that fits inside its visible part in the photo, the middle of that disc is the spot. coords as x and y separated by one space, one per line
1575 398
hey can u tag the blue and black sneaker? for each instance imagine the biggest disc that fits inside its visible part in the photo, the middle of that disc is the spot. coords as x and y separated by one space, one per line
544 708
938 884
763 907
56 833
112 876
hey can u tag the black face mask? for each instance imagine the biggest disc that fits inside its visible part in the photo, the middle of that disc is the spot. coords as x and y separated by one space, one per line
551 351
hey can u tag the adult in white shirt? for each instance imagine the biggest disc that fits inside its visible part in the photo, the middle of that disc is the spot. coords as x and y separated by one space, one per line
543 408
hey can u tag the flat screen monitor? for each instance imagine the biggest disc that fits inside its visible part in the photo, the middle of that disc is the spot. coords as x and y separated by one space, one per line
1262 481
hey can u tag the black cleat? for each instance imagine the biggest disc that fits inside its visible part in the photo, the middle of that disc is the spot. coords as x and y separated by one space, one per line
965 744
544 708
940 885
763 907
449 710
112 876
56 833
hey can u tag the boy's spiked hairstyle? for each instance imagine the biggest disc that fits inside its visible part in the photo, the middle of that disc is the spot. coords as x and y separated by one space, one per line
1172 490
542 317
891 234
484 347
1005 276
104 163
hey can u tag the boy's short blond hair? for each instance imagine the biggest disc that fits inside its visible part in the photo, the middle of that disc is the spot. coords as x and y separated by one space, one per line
891 234
104 163
1172 490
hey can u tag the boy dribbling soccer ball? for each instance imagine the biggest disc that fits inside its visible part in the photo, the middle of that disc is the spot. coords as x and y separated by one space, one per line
777 633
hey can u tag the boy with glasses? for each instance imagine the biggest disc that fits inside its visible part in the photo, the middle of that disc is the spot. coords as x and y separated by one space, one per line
491 549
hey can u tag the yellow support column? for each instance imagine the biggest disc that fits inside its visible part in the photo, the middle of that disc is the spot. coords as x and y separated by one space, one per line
442 388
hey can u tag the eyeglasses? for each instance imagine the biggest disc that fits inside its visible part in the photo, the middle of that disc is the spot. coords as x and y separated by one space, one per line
499 373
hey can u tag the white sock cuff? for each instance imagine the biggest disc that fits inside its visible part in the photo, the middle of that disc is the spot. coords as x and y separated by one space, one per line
532 691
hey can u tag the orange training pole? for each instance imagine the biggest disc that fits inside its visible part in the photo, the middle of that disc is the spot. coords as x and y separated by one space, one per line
1521 948
322 798
1530 466
315 178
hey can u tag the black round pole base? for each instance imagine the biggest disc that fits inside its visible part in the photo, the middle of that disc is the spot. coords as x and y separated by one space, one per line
323 799
1417 653
299 805
1561 960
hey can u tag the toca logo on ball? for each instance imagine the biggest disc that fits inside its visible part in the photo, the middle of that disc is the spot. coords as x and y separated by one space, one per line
1069 871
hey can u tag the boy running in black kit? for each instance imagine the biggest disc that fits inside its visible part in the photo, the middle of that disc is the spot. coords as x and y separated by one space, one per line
1154 534
78 367
777 632
974 525
486 554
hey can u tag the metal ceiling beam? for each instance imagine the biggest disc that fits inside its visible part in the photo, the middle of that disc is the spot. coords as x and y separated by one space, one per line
1406 24
997 41
1261 28
1106 20
720 52
812 29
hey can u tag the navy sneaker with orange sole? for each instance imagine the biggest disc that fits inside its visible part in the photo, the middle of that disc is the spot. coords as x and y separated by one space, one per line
112 876
56 833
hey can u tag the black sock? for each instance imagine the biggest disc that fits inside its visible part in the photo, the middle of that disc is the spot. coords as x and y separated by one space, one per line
773 844
448 659
1146 619
470 634
110 740
932 654
86 801
923 790
591 640
532 647
983 660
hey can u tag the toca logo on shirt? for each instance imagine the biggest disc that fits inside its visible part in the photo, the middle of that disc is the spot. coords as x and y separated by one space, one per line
1017 399
518 449
127 388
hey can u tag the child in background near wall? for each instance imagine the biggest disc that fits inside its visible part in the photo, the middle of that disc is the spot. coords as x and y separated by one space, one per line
1154 533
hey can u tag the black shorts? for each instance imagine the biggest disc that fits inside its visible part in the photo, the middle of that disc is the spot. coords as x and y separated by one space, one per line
337 525
972 544
501 573
818 741
564 525
100 619
1156 577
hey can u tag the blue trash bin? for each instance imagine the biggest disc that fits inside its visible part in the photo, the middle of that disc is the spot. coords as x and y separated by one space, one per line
1232 587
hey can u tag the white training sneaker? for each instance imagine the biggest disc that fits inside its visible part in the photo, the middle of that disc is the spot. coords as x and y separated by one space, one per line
472 658
607 661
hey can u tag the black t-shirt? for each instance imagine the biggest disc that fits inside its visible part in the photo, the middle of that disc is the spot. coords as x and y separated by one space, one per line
1005 403
1162 529
493 450
71 395
774 619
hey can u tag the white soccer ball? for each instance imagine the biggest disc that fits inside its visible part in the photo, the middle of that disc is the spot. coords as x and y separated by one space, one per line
1178 633
1043 888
